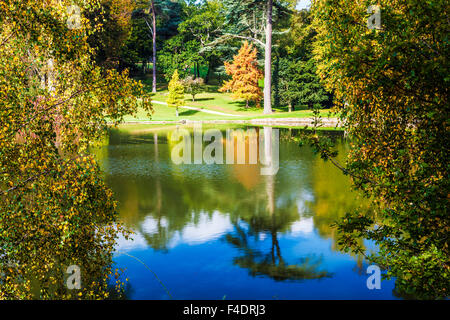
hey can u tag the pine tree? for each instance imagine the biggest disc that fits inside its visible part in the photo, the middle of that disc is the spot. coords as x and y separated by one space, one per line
300 86
245 75
176 92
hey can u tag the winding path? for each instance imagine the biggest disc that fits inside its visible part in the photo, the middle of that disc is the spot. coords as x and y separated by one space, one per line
288 122
202 110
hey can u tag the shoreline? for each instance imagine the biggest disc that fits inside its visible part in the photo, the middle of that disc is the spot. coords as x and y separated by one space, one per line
287 122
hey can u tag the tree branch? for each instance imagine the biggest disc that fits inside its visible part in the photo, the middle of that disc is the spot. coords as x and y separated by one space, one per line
246 38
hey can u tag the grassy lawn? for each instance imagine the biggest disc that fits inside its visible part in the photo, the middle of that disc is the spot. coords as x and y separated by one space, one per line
213 100
165 113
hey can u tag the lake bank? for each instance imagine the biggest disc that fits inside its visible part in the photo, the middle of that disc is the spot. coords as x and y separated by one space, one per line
284 122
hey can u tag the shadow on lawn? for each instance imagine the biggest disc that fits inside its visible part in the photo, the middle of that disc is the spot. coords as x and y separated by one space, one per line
189 112
200 99
241 106
211 89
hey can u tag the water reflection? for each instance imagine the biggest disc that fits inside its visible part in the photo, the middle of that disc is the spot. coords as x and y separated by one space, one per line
216 229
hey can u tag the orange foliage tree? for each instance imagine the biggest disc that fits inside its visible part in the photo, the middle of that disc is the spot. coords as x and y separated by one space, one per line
245 75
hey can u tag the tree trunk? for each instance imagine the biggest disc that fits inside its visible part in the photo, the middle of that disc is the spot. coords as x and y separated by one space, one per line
154 46
290 106
246 106
268 61
176 112
209 70
276 82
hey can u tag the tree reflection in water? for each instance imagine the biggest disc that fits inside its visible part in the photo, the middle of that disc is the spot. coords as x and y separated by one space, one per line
271 264
160 200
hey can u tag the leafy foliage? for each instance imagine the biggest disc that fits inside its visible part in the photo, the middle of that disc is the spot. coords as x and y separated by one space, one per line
300 86
138 47
115 17
55 209
245 75
193 86
176 92
179 55
393 88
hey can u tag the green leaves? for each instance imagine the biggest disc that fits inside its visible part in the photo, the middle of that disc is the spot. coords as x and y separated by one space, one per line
176 92
54 207
392 90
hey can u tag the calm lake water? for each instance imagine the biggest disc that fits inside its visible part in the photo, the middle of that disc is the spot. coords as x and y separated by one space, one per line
214 231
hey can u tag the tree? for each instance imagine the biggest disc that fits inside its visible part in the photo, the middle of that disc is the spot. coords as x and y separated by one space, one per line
193 86
176 92
300 86
178 54
295 80
55 103
252 20
289 84
268 60
168 13
138 46
152 11
115 16
299 40
204 22
392 84
147 12
245 75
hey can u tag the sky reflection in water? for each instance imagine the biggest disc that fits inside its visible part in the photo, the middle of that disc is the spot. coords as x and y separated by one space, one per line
215 231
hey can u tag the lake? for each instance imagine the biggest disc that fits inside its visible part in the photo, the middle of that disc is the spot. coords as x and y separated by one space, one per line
226 231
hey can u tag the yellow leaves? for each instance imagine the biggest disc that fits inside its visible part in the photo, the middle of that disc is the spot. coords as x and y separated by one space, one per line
67 197
245 75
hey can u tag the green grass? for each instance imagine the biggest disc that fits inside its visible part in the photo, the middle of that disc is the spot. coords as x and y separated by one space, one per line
213 100
165 113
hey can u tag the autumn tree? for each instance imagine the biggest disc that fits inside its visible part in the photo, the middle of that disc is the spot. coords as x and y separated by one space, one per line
253 20
176 92
55 103
392 84
245 75
115 16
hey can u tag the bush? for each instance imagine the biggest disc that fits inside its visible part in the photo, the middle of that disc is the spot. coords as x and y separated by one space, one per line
193 86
